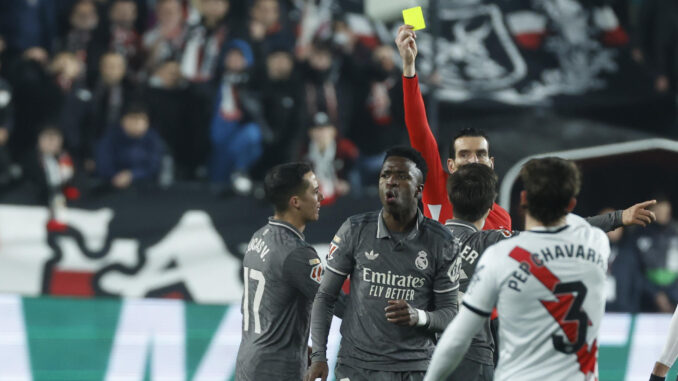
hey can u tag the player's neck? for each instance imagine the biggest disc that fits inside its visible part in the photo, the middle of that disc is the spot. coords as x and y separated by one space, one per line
400 222
479 223
532 223
292 219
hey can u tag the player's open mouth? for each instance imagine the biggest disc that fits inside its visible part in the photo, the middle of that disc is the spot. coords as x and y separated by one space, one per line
390 196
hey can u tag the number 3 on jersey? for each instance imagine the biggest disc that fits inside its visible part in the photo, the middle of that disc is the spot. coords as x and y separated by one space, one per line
256 303
566 310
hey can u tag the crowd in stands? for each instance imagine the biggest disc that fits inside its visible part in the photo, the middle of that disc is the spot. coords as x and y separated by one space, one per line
148 91
219 90
132 93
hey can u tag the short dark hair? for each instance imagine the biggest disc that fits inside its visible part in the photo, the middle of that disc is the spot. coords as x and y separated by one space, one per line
550 183
472 190
469 131
410 154
50 128
284 181
135 107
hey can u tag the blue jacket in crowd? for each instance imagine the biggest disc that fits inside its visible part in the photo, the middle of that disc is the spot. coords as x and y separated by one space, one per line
118 152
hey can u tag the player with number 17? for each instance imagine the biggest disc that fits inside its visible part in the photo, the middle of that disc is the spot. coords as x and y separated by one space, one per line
281 275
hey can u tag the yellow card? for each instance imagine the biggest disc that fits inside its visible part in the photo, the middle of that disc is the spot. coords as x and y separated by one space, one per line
415 17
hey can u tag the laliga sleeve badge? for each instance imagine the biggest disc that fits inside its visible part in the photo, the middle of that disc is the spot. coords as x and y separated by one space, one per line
317 273
333 248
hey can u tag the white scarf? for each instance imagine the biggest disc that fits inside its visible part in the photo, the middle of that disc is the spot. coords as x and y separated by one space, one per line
323 166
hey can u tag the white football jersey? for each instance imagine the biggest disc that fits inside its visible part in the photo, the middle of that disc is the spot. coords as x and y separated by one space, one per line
549 289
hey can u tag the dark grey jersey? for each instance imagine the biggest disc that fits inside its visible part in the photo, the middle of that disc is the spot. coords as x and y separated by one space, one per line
472 243
281 276
382 267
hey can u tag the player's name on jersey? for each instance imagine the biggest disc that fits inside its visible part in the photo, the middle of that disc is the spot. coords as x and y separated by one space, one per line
392 286
258 245
468 254
555 253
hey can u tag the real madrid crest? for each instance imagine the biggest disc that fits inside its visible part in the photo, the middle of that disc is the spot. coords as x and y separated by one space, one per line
421 262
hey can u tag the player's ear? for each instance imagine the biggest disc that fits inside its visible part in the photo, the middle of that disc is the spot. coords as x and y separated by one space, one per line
420 190
294 202
492 162
571 205
450 165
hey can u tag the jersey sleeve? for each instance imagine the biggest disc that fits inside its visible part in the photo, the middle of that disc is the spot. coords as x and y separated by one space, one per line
340 259
490 237
483 290
448 272
304 270
422 139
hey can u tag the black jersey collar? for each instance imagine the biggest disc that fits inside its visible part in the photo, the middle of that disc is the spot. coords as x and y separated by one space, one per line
463 224
286 225
382 230
548 230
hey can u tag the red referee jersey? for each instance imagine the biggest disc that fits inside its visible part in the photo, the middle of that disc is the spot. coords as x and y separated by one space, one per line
436 203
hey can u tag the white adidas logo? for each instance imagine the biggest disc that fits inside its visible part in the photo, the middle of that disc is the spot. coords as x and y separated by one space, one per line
371 255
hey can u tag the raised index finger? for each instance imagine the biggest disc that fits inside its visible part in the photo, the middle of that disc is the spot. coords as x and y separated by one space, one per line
645 204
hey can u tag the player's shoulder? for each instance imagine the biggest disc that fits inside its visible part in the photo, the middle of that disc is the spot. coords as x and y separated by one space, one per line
436 229
504 246
497 255
483 239
591 233
362 219
283 237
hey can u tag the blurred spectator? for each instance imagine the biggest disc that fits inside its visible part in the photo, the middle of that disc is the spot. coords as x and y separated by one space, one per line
121 36
72 102
624 280
83 21
378 121
657 252
165 40
111 93
657 41
267 30
167 96
48 92
236 129
132 153
320 85
28 23
49 171
205 41
28 76
281 93
331 157
200 61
